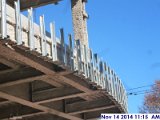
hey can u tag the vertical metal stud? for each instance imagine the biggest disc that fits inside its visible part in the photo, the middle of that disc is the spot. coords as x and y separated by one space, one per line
118 90
95 60
3 19
83 64
18 23
31 29
116 79
121 93
91 72
101 70
86 61
115 86
113 89
75 57
54 43
104 77
62 37
65 55
98 70
43 36
101 66
81 56
112 82
94 67
78 57
91 66
109 79
62 46
107 83
71 61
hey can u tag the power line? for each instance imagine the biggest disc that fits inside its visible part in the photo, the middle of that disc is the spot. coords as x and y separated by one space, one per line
140 87
135 94
143 92
138 91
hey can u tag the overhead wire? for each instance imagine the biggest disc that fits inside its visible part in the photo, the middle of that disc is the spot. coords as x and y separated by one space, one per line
133 92
140 87
143 92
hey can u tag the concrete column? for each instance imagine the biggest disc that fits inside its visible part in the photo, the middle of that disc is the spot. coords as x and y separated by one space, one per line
79 17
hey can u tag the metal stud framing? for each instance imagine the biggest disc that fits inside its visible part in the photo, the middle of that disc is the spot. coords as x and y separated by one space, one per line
65 55
3 19
43 36
78 57
62 45
86 62
18 23
71 61
31 29
54 43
